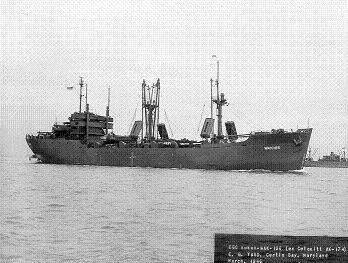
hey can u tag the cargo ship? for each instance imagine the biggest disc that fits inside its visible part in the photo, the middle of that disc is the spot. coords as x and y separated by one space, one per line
85 139
331 161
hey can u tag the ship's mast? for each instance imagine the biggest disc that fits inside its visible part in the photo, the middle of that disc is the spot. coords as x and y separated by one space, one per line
219 115
87 114
87 121
107 112
86 97
143 86
220 101
157 101
211 101
81 85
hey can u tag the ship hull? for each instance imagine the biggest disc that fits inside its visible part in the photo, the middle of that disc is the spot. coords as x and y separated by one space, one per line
269 152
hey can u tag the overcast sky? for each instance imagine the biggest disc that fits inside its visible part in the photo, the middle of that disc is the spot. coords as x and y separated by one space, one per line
282 63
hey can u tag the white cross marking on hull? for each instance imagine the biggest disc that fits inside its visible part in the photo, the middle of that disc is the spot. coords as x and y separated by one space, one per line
132 159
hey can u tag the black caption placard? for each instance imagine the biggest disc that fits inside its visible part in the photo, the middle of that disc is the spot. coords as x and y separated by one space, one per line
238 248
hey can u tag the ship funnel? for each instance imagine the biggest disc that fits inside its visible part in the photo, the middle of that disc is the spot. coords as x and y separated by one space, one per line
207 128
161 127
231 130
136 129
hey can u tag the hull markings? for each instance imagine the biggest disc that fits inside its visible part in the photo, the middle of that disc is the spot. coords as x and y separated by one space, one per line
132 159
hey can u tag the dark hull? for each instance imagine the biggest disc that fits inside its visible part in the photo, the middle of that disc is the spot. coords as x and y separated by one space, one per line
269 152
328 164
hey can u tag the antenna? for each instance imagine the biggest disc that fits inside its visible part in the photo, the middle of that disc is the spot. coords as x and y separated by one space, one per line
108 99
217 78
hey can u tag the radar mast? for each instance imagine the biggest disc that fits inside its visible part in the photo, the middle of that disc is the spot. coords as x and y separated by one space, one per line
220 101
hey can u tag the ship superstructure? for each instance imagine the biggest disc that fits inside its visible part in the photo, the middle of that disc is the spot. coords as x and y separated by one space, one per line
332 161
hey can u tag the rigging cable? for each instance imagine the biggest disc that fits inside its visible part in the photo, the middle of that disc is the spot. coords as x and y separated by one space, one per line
200 121
170 128
134 115
166 116
130 126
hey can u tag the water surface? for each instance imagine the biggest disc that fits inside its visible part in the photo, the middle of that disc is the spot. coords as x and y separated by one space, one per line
60 213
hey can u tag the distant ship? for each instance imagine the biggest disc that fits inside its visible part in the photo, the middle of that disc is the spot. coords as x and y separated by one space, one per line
332 161
85 139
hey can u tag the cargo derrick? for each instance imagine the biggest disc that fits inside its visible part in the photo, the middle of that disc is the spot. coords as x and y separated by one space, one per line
150 110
